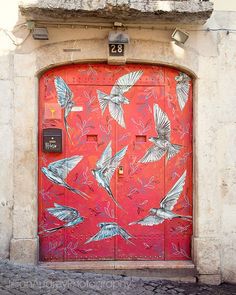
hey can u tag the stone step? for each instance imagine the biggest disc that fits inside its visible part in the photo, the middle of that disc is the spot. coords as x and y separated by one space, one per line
183 271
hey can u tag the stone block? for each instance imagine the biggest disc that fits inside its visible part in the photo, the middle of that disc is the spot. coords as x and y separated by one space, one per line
206 253
5 226
6 188
228 245
27 227
24 251
25 109
210 279
25 160
116 60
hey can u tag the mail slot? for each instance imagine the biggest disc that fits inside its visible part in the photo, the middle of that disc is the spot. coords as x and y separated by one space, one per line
52 140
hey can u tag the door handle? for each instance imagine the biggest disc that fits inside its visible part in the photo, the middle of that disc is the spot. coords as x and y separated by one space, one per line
121 170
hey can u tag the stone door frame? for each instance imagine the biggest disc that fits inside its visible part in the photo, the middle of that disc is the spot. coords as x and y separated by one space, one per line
27 70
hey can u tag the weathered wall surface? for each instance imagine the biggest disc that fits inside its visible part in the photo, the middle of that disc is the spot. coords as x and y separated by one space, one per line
208 55
6 128
225 141
138 11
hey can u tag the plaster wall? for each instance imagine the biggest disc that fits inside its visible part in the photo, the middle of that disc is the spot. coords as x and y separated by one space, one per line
227 5
208 56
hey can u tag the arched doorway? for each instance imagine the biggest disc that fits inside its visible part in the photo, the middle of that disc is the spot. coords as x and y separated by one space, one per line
120 188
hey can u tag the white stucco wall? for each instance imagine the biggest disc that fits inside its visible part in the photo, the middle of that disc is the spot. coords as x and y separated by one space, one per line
209 56
6 124
226 5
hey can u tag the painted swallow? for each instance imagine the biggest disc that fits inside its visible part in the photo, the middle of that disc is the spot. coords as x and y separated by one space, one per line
108 230
106 167
57 172
182 89
65 99
67 214
158 215
162 142
116 98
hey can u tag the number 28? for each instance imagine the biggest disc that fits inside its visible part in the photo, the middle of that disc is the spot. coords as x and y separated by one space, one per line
115 49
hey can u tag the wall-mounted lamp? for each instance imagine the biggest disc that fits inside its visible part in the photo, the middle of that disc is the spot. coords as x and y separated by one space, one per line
117 37
179 36
40 33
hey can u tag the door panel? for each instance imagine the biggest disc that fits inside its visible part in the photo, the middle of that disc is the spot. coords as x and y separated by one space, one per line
178 232
136 186
140 188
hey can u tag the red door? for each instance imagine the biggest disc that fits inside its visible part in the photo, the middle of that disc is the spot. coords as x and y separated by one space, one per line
121 187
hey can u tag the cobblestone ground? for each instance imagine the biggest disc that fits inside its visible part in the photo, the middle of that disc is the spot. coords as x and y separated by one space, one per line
18 280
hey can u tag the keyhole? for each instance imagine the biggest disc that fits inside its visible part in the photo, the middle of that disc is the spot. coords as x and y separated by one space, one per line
121 170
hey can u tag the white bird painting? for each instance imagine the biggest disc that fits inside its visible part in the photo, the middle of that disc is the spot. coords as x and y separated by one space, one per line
161 143
182 89
70 216
57 172
105 168
108 230
165 211
65 100
116 98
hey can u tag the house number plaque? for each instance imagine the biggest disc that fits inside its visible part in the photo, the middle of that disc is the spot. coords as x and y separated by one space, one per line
116 49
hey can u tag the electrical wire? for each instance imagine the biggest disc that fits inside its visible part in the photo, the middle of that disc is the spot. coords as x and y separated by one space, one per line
9 35
125 27
101 26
